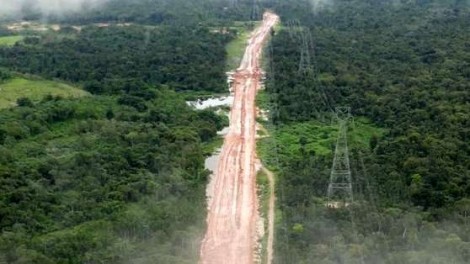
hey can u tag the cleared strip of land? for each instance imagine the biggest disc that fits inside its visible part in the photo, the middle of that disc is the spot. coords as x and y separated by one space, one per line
231 235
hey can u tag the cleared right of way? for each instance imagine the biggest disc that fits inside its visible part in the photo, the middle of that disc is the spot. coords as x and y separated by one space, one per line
231 236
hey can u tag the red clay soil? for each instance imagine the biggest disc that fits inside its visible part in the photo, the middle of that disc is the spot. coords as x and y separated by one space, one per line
231 236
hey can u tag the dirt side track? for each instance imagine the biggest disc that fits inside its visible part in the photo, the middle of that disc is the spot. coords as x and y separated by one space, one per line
231 235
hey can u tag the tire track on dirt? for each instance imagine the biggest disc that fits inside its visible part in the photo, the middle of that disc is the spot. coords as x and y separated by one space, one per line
231 236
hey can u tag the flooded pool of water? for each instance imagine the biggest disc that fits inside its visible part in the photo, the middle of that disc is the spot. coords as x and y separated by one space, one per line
212 102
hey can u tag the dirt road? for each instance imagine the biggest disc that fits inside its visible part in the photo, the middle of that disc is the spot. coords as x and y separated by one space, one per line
231 235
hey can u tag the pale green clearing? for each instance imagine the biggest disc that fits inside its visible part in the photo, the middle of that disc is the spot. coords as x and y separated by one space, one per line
35 90
317 137
10 40
236 48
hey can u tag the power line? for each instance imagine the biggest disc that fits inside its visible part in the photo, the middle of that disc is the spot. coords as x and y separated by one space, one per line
255 12
233 3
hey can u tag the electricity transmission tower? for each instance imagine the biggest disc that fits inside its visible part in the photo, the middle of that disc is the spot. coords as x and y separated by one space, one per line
294 26
255 14
340 186
303 36
308 72
305 64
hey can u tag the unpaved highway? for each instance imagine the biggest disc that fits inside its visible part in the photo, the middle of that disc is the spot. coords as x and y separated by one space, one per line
231 236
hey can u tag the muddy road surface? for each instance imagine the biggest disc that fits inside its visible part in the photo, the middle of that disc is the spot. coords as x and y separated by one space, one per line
232 221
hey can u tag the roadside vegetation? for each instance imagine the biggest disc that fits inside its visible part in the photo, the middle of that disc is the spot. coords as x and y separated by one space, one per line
263 192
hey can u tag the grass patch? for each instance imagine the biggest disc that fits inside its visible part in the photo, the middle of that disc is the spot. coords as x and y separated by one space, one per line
363 131
236 48
16 88
10 40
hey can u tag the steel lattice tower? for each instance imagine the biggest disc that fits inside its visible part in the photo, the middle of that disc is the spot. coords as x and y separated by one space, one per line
255 13
340 186
305 63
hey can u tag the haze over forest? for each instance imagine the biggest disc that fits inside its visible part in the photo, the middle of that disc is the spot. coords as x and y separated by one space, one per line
16 8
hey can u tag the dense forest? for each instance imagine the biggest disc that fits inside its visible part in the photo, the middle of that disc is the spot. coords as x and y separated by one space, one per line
155 12
112 59
403 68
83 181
118 176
